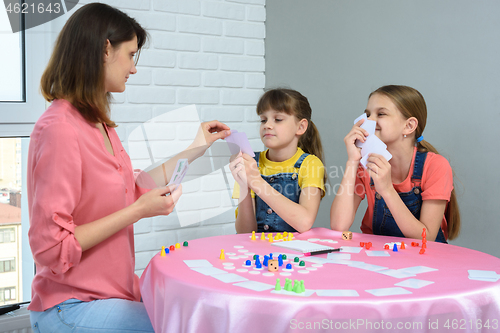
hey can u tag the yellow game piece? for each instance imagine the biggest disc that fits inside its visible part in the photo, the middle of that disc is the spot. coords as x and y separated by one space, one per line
253 235
278 236
263 236
285 234
177 246
162 253
222 255
270 237
290 236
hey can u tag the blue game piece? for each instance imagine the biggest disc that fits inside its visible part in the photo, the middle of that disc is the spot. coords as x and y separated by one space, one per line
248 263
395 248
257 262
258 265
280 261
266 259
167 250
288 266
270 256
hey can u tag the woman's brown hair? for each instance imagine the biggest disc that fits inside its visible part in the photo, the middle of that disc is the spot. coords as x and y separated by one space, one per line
76 68
294 103
412 104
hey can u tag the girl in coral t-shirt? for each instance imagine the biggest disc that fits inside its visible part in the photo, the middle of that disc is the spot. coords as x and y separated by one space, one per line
412 191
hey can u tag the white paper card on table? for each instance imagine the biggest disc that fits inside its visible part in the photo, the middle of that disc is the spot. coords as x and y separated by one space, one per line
209 270
306 293
367 267
389 291
339 256
350 249
396 273
254 285
239 141
303 246
198 263
418 269
480 275
337 292
414 283
377 253
229 278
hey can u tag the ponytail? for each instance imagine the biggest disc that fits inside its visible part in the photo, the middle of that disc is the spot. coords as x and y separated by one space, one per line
310 142
452 212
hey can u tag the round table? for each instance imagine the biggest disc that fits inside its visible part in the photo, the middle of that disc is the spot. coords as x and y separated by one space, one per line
402 291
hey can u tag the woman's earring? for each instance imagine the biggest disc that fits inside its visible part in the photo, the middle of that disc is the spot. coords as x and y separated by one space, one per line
405 135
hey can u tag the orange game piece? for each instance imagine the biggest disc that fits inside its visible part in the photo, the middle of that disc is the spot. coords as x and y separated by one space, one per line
402 247
424 245
362 244
422 251
386 247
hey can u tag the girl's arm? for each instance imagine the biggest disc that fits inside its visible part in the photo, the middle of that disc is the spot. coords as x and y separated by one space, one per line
301 215
346 201
208 133
245 221
431 213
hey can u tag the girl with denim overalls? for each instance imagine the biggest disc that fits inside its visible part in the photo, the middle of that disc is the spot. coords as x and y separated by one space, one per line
412 191
280 189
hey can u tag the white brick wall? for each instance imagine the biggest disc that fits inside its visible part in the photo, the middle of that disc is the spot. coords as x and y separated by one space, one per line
209 53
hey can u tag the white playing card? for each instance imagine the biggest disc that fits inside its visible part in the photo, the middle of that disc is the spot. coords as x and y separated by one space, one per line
239 139
180 171
372 144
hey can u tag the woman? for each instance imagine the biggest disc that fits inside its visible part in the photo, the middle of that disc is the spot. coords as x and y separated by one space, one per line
82 194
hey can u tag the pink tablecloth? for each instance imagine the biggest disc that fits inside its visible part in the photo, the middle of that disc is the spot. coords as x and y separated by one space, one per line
180 299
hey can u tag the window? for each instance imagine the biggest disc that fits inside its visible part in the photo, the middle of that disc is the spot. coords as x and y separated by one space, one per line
12 81
7 235
7 294
8 265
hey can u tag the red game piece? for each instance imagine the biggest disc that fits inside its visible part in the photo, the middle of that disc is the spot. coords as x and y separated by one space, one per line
422 251
424 234
362 244
172 247
368 245
402 247
424 245
386 247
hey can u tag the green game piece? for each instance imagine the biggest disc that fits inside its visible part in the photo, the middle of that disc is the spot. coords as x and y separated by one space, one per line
254 256
296 286
296 259
288 285
185 243
283 256
302 263
302 288
278 285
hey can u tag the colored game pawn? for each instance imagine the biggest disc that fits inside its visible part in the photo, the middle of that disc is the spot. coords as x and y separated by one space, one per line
424 234
368 245
253 235
222 255
395 248
277 287
263 236
257 262
403 246
255 256
362 244
424 245
285 234
296 286
271 256
162 253
302 287
266 259
185 243
288 266
172 247
386 247
302 263
296 259
290 236
248 263
270 237
177 245
278 236
280 260
422 251
283 256
288 285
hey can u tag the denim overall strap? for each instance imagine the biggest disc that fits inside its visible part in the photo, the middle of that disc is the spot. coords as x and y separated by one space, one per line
383 222
256 157
287 183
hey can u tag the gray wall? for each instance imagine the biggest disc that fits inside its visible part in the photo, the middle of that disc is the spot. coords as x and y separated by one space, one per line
336 52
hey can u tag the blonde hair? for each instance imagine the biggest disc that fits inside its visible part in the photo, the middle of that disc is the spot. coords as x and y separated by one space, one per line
412 104
294 103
